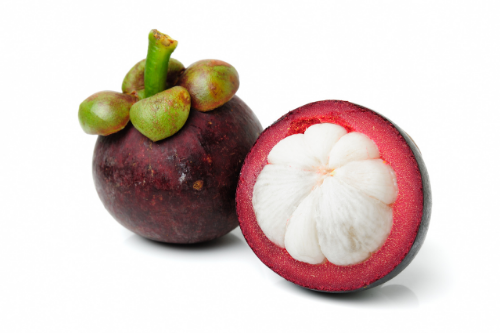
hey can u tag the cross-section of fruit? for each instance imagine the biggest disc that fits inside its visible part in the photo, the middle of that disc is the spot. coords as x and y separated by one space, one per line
326 194
334 197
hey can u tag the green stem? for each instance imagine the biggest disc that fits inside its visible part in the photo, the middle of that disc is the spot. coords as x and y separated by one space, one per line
160 48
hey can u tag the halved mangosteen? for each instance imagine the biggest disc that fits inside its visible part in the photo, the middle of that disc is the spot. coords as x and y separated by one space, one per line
334 197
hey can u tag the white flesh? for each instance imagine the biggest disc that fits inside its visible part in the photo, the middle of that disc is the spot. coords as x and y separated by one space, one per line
279 191
350 224
301 238
293 151
372 177
352 147
321 138
326 194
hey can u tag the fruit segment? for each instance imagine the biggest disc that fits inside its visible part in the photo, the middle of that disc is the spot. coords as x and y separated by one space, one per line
277 194
294 151
352 147
372 177
326 193
321 138
301 238
351 225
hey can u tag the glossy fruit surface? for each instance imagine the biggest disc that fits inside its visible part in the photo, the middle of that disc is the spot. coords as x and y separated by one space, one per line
105 112
182 189
210 83
161 115
393 151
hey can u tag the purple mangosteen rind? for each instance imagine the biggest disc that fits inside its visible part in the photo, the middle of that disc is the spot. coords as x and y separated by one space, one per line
423 225
182 189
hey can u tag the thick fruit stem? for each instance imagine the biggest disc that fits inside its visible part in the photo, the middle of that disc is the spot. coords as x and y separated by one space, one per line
160 48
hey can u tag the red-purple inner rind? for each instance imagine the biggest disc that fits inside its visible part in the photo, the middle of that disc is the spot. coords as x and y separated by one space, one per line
408 210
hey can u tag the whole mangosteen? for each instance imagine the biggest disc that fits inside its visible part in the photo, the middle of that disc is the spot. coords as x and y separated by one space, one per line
171 174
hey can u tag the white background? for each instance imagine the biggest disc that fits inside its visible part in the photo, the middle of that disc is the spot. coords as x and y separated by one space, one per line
66 266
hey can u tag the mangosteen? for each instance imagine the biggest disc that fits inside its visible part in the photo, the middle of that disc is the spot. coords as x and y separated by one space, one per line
334 197
171 174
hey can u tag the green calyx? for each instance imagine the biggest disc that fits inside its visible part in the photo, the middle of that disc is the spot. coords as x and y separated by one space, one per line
162 115
105 112
134 80
211 83
156 107
160 48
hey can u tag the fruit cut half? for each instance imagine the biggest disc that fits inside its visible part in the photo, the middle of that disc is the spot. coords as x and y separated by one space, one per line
334 197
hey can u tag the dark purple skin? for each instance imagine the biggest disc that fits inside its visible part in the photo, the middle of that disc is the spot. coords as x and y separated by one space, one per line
180 189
